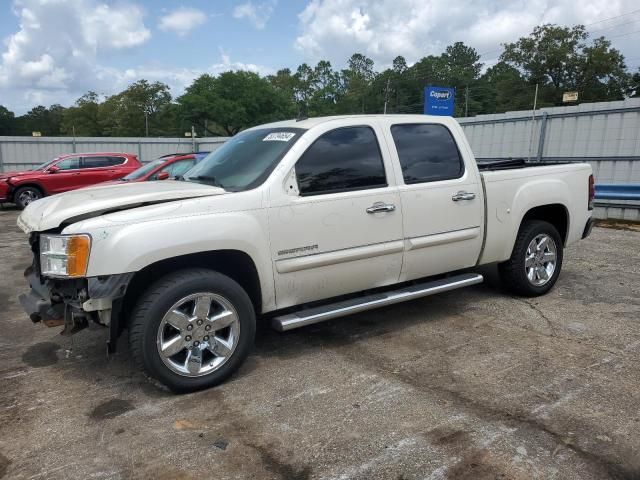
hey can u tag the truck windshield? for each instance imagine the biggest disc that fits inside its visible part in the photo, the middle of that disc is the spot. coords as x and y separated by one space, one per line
245 161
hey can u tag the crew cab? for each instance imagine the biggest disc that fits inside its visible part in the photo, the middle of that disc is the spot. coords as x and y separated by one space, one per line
64 173
163 168
295 222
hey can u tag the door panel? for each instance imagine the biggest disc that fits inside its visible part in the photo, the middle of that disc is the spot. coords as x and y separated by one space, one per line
66 178
442 235
97 170
442 201
329 245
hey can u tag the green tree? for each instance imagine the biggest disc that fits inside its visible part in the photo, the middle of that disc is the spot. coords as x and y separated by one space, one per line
7 121
83 119
285 82
501 88
634 85
41 119
136 111
358 77
559 59
233 101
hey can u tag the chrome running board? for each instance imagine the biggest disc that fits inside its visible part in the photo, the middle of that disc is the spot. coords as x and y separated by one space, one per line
309 316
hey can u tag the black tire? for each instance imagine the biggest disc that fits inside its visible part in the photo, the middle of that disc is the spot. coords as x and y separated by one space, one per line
156 301
513 272
23 196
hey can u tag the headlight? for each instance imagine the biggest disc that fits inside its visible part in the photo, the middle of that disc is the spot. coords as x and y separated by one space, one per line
64 255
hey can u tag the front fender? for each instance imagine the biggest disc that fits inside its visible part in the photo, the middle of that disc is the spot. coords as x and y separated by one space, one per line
130 247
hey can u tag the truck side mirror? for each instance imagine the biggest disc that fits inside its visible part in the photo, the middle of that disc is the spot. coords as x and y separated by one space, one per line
163 175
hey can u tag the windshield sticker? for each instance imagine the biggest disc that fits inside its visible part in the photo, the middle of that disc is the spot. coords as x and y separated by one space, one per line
279 137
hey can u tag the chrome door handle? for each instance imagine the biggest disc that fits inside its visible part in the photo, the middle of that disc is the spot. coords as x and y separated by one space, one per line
463 196
381 207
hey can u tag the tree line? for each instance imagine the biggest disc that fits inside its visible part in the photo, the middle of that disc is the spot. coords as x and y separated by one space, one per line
553 57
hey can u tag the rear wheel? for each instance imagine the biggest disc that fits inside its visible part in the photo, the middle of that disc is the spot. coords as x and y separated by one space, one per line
26 195
536 261
192 329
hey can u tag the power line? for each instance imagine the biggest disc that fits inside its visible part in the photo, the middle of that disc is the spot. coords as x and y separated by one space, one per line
614 26
612 18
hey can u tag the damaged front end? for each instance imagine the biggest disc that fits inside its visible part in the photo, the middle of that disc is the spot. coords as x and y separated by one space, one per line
73 302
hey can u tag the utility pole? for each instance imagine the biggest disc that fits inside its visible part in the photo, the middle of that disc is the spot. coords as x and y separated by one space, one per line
533 121
146 123
193 138
386 95
466 101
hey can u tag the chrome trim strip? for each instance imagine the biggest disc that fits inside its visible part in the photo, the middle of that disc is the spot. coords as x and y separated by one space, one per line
283 323
296 264
440 238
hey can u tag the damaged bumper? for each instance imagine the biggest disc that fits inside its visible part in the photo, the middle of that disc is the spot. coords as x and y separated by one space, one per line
37 303
73 303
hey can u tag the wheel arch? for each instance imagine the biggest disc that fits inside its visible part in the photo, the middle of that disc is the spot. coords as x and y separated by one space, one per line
556 214
29 183
236 264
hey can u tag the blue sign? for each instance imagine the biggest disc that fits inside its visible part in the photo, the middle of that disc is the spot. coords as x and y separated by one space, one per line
439 100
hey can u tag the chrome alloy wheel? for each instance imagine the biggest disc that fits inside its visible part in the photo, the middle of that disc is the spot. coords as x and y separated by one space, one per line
540 262
28 196
198 334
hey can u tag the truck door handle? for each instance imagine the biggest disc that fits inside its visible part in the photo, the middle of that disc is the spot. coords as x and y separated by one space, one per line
381 207
462 195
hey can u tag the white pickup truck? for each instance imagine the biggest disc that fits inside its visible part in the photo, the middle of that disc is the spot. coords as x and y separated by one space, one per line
297 222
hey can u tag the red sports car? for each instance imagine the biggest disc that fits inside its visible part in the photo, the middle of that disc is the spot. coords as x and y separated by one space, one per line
166 167
66 172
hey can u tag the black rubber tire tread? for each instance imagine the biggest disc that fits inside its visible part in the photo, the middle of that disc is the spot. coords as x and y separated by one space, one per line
159 297
512 272
16 195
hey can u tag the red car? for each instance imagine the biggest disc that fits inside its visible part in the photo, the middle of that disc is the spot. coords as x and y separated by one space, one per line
166 167
66 172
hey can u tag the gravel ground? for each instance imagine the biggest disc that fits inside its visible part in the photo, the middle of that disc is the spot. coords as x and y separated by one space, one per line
470 384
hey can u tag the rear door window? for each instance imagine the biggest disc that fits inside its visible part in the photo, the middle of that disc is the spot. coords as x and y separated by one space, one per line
341 160
113 161
427 153
95 162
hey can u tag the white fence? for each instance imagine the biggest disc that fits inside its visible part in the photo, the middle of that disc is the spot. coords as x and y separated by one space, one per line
19 153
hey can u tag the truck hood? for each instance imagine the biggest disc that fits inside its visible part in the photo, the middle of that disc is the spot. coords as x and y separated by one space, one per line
69 207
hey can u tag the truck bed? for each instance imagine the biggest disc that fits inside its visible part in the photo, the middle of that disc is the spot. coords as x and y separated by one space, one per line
511 189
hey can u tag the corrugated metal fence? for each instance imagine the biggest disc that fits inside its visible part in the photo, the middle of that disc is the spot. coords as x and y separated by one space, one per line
19 153
607 135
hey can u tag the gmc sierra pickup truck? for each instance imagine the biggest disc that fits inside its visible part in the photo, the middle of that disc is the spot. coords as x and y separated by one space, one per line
295 222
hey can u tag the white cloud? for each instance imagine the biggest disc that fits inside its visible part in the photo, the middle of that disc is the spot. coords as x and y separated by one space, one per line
57 43
53 55
258 14
383 29
182 20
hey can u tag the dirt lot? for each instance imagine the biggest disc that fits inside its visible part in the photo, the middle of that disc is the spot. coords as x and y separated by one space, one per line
471 384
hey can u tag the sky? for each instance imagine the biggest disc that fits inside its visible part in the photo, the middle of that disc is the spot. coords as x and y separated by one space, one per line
53 51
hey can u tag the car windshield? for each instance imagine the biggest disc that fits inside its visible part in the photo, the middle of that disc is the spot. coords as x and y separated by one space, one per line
142 171
245 161
45 164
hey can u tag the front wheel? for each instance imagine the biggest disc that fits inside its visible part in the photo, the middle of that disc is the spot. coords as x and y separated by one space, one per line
26 195
536 261
192 329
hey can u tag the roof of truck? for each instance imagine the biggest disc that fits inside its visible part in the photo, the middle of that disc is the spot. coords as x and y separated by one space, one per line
307 123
